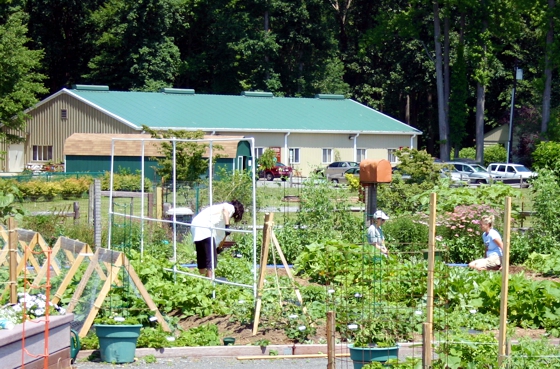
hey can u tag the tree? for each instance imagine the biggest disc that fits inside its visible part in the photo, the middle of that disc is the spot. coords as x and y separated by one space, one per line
134 50
65 31
268 159
20 83
189 158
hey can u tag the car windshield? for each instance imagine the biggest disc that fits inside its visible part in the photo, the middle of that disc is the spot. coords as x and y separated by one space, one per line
521 168
280 165
479 168
354 164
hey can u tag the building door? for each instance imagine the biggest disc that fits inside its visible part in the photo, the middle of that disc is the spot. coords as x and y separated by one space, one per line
15 158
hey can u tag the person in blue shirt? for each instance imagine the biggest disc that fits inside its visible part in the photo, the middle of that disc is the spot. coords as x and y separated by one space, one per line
493 244
375 233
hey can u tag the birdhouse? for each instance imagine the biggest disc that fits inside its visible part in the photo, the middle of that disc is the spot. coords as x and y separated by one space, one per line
375 171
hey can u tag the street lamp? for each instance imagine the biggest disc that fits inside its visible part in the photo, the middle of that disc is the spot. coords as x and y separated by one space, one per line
518 76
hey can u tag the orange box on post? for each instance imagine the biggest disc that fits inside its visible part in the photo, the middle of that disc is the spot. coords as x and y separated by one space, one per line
375 171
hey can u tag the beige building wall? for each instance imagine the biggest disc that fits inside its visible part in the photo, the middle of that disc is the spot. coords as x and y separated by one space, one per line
47 127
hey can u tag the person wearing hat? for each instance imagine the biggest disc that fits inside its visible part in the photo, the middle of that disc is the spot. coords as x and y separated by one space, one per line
375 233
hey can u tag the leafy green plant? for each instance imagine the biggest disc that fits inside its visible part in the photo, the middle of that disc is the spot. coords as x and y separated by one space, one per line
463 350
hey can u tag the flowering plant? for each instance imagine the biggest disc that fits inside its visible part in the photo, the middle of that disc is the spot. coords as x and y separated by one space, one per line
29 307
114 318
464 221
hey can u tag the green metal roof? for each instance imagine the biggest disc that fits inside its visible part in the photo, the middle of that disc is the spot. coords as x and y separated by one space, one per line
251 112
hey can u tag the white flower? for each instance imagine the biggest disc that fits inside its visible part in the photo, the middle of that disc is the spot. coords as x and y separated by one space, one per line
357 295
418 312
152 319
473 311
330 291
118 319
293 316
301 328
352 327
170 339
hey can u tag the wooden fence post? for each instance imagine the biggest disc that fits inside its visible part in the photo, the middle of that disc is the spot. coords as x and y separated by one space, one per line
12 241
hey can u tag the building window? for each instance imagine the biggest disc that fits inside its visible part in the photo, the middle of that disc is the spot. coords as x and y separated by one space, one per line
294 156
259 151
327 155
42 153
63 114
391 155
360 155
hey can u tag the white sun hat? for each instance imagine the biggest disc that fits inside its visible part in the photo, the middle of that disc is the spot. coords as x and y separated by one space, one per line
380 214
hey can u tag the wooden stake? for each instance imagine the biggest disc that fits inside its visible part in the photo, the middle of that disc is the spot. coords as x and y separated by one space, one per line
12 242
140 286
505 284
267 231
287 267
427 326
331 340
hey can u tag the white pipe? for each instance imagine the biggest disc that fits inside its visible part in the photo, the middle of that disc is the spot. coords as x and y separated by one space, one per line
412 141
355 146
286 151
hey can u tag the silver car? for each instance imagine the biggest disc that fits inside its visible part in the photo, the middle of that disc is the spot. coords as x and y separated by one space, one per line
341 177
473 173
339 167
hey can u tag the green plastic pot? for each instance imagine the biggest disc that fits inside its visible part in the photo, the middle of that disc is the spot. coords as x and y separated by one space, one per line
117 343
363 355
228 341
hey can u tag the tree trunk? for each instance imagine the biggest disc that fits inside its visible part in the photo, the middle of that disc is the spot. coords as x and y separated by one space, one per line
446 72
443 130
548 70
480 96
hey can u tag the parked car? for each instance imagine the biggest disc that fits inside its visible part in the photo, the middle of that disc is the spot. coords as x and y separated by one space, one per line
341 177
471 172
453 175
280 170
505 170
339 167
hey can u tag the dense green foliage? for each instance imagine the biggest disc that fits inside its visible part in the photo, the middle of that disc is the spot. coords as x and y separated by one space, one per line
492 154
382 54
20 80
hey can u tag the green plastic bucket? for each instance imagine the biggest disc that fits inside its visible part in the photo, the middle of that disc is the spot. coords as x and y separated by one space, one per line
117 343
363 355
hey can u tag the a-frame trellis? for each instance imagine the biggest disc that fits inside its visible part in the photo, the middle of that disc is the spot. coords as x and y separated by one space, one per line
113 261
268 236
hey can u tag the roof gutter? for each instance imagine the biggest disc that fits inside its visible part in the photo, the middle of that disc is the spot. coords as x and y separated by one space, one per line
355 148
286 151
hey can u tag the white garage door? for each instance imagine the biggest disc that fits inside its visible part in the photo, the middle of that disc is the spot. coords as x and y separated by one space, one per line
15 158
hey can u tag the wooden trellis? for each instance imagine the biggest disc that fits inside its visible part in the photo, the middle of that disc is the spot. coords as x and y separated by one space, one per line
268 235
113 261
28 244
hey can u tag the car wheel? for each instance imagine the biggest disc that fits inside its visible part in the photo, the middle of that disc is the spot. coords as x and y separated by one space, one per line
480 181
283 178
269 177
334 180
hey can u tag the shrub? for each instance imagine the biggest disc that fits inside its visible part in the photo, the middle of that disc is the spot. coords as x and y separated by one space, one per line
492 154
407 233
125 182
547 155
545 233
73 187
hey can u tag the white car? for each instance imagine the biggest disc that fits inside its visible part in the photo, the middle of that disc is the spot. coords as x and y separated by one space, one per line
505 170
